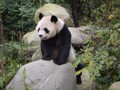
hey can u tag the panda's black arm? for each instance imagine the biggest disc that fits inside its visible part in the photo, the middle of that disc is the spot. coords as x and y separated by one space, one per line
65 46
45 50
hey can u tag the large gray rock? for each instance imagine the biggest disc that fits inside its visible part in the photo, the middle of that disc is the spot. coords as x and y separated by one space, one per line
53 9
115 86
44 75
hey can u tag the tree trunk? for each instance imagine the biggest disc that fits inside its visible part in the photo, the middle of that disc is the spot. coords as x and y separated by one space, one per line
75 12
1 32
1 42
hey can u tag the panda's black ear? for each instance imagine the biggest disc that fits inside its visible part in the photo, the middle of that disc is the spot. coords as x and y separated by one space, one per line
40 16
54 19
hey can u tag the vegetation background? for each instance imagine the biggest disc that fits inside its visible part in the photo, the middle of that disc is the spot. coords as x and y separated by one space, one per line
100 55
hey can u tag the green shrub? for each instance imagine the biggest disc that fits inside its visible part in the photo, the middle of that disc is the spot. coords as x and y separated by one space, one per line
101 55
12 57
17 18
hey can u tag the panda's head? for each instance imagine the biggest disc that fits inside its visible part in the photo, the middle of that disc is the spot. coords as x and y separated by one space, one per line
49 26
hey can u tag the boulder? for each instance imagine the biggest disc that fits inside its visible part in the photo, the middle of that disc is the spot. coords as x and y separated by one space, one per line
44 75
37 55
31 49
31 38
53 9
78 36
115 86
33 41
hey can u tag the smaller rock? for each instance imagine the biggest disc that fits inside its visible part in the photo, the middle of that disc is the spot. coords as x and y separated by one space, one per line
37 55
78 37
30 50
115 86
31 38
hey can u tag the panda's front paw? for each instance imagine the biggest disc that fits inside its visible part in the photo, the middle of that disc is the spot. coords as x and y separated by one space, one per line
46 58
58 62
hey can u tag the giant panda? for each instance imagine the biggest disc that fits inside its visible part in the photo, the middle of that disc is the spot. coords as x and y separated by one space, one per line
56 41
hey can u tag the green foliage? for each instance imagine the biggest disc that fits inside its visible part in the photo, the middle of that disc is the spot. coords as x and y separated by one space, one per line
100 12
17 17
24 74
1 82
12 57
101 55
1 7
94 60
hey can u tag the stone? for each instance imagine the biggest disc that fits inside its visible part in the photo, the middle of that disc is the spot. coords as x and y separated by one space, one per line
44 75
78 36
31 38
115 86
31 49
54 9
37 55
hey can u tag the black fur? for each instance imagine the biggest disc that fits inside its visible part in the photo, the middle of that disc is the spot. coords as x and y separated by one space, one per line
78 77
46 30
60 43
40 16
54 19
38 29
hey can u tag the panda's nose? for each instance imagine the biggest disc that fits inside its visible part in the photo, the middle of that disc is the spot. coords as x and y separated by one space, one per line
40 35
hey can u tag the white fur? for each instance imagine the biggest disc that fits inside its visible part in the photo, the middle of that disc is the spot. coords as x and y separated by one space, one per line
59 25
71 57
53 28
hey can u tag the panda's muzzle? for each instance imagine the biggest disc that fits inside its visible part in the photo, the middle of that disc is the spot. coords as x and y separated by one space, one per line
40 36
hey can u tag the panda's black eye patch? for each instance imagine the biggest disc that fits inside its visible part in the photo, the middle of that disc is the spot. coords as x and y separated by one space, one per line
46 30
38 29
